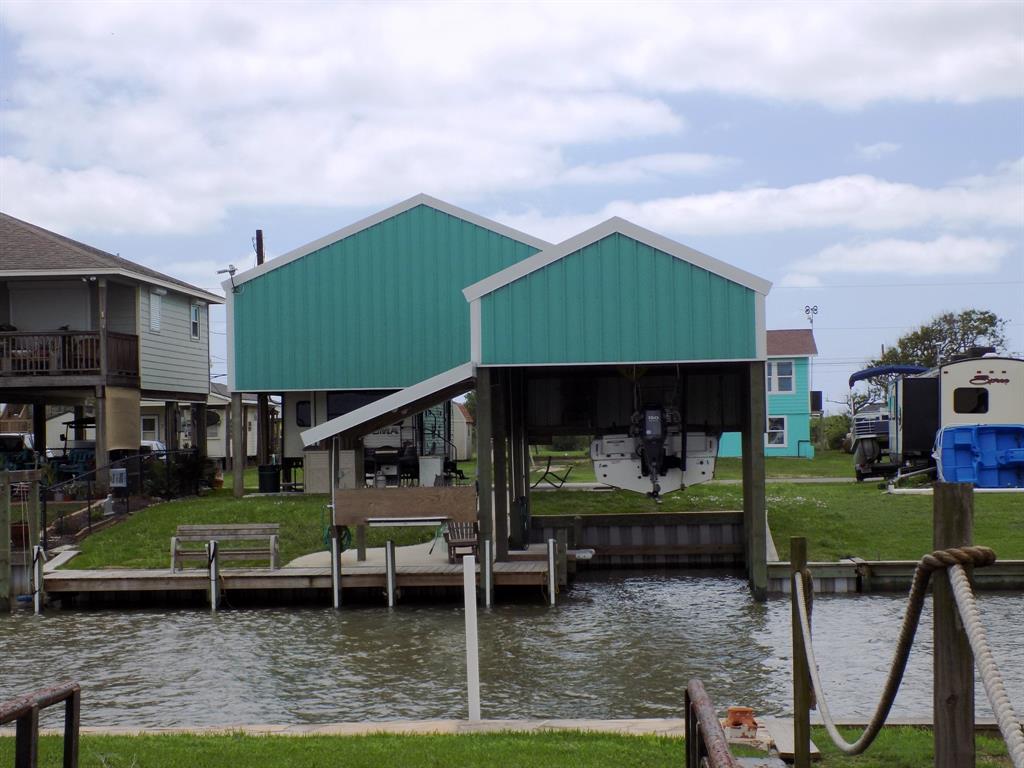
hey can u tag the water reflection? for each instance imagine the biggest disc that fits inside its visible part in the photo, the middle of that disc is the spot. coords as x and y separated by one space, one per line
619 645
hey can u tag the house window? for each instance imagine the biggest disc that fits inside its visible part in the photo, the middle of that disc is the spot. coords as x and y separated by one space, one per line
777 432
780 376
213 420
155 310
970 400
194 324
149 428
303 414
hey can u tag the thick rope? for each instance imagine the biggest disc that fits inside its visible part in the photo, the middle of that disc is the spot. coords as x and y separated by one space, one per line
979 556
1009 725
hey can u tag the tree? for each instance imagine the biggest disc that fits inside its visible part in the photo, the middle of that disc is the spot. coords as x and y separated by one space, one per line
946 336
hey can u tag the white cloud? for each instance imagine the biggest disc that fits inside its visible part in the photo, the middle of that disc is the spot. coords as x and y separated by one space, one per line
945 255
877 150
860 202
190 109
799 280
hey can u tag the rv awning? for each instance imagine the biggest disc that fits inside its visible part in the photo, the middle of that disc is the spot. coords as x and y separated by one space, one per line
396 406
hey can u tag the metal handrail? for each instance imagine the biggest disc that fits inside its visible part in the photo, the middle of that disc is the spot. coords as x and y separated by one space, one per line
24 711
706 744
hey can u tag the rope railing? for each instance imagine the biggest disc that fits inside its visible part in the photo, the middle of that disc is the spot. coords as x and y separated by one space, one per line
953 560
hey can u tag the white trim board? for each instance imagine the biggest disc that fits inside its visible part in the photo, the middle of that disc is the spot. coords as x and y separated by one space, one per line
377 218
392 402
615 225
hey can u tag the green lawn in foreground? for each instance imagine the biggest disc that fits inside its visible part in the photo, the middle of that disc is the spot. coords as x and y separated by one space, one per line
838 520
895 748
143 541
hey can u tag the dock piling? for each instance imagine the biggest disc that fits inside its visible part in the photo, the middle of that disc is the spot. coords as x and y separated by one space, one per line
38 594
211 557
552 572
335 568
389 568
472 647
488 573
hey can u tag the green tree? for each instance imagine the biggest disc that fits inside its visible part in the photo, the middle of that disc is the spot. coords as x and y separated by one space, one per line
946 336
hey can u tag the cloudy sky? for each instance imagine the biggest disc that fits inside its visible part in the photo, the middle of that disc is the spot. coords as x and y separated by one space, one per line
867 158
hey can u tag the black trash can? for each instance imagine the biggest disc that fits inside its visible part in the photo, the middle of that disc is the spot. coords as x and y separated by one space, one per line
270 478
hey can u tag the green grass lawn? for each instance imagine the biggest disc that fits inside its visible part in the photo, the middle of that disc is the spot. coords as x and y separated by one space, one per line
143 540
895 748
838 520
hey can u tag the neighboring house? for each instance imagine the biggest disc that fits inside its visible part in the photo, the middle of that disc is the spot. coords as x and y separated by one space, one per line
80 326
218 422
788 381
463 438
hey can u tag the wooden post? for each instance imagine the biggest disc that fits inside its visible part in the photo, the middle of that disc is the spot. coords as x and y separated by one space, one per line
33 513
361 543
199 428
171 425
801 673
102 454
39 429
6 591
238 445
389 571
755 519
472 642
953 521
501 478
335 567
484 480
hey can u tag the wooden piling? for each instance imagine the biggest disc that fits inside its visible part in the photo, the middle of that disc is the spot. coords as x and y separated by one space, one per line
6 591
801 672
953 521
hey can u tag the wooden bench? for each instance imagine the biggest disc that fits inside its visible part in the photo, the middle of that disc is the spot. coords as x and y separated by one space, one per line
237 532
462 539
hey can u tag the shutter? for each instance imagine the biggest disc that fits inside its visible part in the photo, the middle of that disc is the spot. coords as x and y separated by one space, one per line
155 307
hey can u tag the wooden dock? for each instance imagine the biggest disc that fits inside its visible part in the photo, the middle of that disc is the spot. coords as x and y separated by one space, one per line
127 581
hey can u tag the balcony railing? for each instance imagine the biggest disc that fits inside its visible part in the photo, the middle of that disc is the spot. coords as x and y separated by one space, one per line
67 353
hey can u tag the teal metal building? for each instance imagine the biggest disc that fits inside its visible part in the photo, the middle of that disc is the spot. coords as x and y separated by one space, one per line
424 301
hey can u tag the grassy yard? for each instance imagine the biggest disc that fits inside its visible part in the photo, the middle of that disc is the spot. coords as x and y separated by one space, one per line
895 748
143 540
838 520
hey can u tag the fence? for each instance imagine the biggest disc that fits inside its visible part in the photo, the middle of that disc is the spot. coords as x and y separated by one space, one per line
960 643
24 711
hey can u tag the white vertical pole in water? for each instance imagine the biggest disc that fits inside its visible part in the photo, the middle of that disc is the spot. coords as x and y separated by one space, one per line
488 572
335 542
472 649
552 572
37 579
211 557
389 568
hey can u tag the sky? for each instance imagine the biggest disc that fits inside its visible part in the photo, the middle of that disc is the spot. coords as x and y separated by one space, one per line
867 158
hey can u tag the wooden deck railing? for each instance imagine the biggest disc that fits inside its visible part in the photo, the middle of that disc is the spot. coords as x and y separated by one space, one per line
67 353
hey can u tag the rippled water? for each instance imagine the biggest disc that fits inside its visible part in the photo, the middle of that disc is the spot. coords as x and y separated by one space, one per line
618 645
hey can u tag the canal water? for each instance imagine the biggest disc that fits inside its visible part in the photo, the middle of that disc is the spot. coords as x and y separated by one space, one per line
618 645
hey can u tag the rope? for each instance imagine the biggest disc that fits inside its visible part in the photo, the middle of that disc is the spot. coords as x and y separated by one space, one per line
1009 725
958 556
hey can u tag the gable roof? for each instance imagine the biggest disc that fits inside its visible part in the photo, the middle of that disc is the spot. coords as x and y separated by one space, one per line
612 226
27 250
791 342
377 218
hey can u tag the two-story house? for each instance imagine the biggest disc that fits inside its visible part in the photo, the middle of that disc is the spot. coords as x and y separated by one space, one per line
789 401
80 326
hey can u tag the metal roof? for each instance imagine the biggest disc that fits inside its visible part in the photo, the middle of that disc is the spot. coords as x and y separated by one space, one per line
27 250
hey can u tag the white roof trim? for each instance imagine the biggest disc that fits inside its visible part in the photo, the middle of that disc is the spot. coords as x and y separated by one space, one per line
45 274
392 402
615 225
377 218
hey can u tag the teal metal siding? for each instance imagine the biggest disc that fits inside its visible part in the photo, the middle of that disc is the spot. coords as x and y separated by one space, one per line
617 300
382 308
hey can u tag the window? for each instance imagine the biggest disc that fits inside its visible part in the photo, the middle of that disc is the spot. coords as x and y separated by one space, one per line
970 400
302 414
213 420
156 302
149 428
777 431
780 376
193 316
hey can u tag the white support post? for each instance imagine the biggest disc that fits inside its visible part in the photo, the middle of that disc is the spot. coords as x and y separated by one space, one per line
389 567
552 572
472 648
335 567
211 558
488 572
38 557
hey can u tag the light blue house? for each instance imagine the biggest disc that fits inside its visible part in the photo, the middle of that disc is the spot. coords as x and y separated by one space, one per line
788 378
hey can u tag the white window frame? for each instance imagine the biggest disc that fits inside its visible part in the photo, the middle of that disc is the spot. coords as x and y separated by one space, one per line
785 432
155 431
772 377
195 322
156 303
213 430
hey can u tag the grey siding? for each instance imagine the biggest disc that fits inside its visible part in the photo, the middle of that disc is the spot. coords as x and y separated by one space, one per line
170 359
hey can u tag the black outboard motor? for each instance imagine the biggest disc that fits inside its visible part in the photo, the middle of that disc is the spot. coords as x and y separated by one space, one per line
652 436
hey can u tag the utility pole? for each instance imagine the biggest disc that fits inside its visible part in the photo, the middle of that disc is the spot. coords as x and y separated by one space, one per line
262 398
